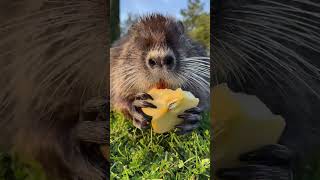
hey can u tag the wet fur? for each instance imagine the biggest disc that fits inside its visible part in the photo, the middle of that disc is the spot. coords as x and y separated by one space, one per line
53 59
271 49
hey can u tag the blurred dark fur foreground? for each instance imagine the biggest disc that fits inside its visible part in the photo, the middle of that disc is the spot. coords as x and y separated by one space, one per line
271 48
53 61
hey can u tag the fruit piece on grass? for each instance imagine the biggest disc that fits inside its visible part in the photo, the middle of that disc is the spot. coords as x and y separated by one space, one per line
241 123
170 104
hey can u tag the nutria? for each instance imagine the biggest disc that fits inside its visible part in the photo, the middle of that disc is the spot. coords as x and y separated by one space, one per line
157 53
53 85
270 49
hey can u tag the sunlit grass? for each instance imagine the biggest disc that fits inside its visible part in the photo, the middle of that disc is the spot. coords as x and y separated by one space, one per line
137 154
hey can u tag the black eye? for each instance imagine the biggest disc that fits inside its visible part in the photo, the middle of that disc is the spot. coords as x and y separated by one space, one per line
151 62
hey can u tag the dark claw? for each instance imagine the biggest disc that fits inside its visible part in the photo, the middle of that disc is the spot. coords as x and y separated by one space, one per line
139 115
275 154
182 132
190 118
143 104
195 110
143 96
229 173
140 119
254 172
93 126
186 128
191 121
269 162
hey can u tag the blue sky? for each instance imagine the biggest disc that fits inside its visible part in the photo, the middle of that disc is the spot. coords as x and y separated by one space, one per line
168 7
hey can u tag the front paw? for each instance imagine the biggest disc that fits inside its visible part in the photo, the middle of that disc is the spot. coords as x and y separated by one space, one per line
255 172
93 126
140 119
272 162
95 109
270 155
191 120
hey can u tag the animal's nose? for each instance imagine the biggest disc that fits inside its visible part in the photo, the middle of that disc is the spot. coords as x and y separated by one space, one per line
161 62
167 61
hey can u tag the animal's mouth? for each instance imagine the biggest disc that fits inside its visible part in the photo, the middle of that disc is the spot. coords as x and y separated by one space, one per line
161 84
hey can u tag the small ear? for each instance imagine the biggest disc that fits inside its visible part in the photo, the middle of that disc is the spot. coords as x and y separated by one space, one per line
180 27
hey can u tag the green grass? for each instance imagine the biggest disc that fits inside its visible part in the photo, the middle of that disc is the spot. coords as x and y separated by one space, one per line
12 168
137 154
142 154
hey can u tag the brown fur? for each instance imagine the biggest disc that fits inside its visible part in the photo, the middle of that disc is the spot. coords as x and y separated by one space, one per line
53 59
129 73
270 49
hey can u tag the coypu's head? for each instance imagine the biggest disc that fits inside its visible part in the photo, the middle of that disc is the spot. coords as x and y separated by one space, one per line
158 53
159 40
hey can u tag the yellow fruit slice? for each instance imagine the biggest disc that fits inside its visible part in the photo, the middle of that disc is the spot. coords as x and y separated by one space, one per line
242 123
170 103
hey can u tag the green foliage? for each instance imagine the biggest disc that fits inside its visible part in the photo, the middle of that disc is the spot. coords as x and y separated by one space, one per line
12 168
197 22
194 9
131 19
142 154
114 20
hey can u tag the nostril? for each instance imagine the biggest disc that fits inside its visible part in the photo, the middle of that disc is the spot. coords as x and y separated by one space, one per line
168 60
151 62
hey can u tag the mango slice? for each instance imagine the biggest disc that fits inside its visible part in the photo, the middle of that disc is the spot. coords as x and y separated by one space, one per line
242 123
170 103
